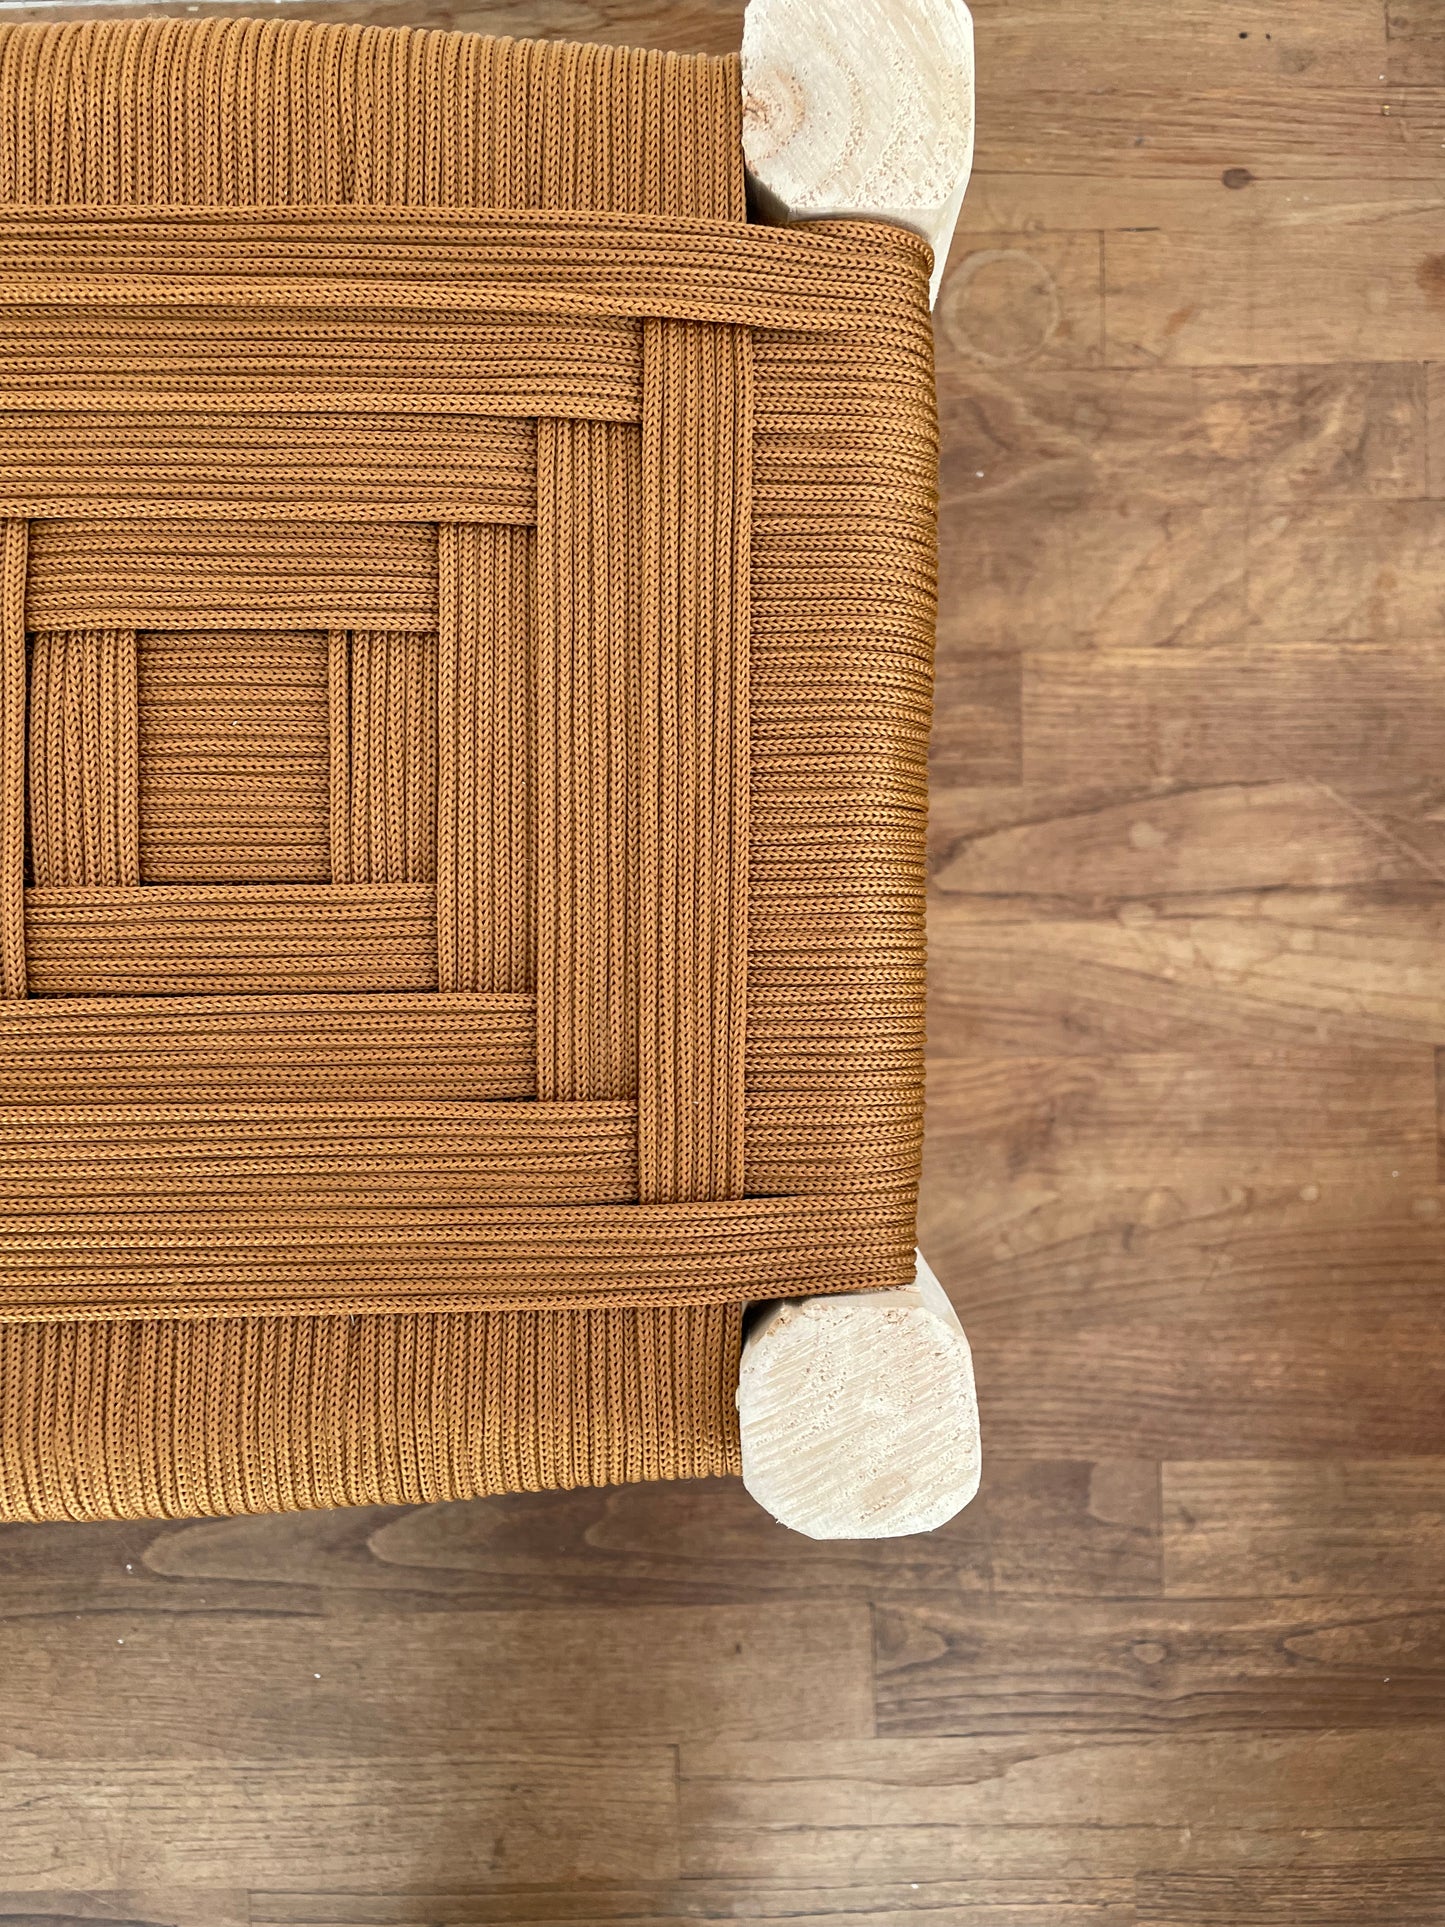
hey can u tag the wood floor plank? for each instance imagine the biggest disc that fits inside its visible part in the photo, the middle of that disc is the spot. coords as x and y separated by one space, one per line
600 1812
1350 289
1017 1125
1297 1529
1435 421
1117 1667
1276 126
1130 569
1046 438
1257 968
1046 851
980 740
1039 200
1284 1388
940 1808
1256 711
1363 571
1023 297
1130 1238
351 1684
1410 1894
1145 574
1059 1902
633 1547
177 1907
1162 917
1072 1530
1241 1256
1080 46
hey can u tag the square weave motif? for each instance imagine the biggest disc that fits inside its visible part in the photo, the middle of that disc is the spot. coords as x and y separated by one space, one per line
466 613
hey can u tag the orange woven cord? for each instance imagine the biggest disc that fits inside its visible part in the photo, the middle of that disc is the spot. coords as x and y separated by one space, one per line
485 934
129 463
247 574
692 892
587 729
207 1050
149 1419
318 1254
383 757
84 757
124 113
233 758
174 939
588 370
12 757
267 262
474 596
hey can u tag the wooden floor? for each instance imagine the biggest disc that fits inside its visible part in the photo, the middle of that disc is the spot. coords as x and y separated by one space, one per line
1183 1663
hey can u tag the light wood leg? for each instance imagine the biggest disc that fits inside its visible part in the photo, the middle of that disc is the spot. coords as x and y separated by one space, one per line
860 107
858 1414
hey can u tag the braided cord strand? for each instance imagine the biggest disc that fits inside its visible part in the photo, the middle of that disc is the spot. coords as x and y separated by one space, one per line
14 549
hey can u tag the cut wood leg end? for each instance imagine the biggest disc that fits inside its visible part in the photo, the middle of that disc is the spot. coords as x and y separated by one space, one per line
858 1413
863 109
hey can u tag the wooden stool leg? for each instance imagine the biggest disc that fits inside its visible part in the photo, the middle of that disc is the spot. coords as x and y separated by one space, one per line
858 1413
860 107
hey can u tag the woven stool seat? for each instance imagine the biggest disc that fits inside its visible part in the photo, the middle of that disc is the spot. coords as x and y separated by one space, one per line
466 619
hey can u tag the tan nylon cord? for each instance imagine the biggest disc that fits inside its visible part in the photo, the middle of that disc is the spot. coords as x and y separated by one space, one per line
233 758
221 1050
466 607
382 756
84 757
693 763
485 936
13 545
250 574
586 739
590 370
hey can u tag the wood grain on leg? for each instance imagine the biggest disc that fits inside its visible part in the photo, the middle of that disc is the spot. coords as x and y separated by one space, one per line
858 1414
864 109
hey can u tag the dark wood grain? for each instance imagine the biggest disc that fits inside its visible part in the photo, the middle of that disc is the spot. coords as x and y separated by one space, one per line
1059 1803
1182 1663
1056 438
156 1907
895 1903
1243 1528
891 1903
595 1811
354 1684
1070 1529
703 1545
1411 1894
1137 1667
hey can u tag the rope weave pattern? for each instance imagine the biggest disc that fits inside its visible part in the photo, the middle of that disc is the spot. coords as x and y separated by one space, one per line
382 756
484 786
233 758
214 576
84 757
466 606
